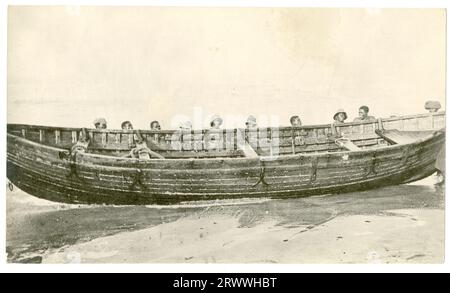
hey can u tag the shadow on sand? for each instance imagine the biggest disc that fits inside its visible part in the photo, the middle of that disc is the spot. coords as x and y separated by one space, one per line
34 225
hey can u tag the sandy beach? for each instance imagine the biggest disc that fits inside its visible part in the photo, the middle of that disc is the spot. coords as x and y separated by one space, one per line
397 224
406 236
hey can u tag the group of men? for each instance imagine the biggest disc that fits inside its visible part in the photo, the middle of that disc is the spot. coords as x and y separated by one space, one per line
339 117
363 113
216 121
363 116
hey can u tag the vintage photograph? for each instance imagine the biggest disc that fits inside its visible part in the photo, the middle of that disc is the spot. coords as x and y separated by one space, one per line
244 135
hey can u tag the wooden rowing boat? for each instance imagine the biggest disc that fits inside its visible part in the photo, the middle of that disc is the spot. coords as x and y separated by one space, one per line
76 165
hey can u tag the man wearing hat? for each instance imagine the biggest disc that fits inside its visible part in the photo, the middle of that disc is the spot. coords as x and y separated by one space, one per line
432 106
364 115
251 122
100 123
213 139
216 122
340 116
126 125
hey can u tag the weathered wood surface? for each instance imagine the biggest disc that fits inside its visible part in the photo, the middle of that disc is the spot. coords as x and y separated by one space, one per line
47 172
264 141
395 136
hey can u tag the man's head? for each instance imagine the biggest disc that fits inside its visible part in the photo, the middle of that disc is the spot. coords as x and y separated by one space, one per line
432 106
251 122
340 116
363 112
100 123
155 125
295 121
216 121
126 125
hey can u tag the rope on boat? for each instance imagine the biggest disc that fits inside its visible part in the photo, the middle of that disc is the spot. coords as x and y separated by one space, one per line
73 167
262 174
137 180
10 186
370 169
79 147
405 155
314 164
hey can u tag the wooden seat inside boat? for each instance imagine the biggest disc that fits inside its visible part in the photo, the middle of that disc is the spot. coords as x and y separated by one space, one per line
347 144
394 136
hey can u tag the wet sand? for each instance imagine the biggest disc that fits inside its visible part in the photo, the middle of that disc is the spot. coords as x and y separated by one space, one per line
398 224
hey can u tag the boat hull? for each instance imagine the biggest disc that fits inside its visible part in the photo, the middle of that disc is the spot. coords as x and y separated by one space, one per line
93 179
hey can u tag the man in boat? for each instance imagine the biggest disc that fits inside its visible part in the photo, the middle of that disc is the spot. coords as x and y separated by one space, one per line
251 122
126 125
216 122
100 123
213 139
364 115
183 137
295 121
297 137
154 125
432 106
251 137
340 116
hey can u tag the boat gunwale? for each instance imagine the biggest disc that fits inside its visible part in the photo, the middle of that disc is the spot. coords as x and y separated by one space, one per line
226 130
433 134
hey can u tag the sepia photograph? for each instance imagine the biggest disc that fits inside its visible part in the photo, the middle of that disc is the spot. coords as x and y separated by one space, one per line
225 135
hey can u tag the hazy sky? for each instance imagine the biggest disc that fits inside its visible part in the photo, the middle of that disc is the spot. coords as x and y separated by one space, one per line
68 65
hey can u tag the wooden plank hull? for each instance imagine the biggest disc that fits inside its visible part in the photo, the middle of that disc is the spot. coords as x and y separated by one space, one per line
42 171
